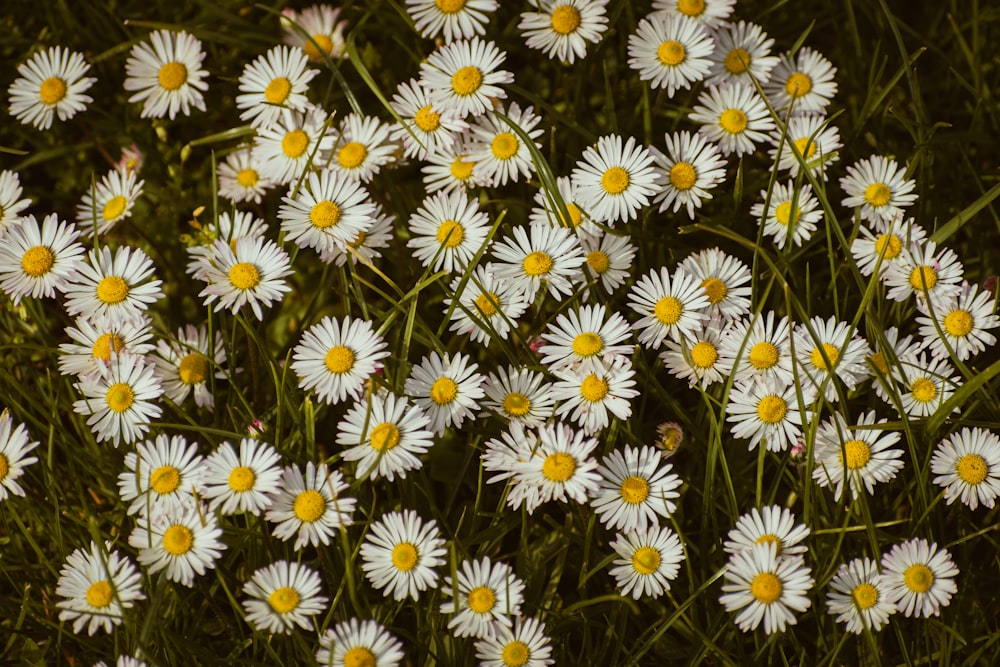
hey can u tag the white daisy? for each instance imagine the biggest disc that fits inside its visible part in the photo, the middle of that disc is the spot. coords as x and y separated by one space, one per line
108 202
244 482
14 446
251 272
239 178
856 458
803 83
759 347
536 254
764 409
95 342
810 139
561 466
881 249
363 147
636 489
486 596
587 398
11 204
670 51
161 475
336 358
891 351
501 156
742 53
696 358
649 559
97 586
184 542
858 598
688 170
39 261
447 231
502 455
386 435
447 388
486 307
354 644
789 214
923 385
115 285
298 141
828 349
733 116
526 645
457 19
772 525
967 465
961 321
311 507
586 339
518 395
609 260
167 74
615 180
562 28
364 246
275 80
327 212
424 130
667 306
462 77
547 212
227 228
189 363
400 552
452 169
763 587
724 279
924 271
711 13
319 34
119 403
283 595
876 187
52 82
919 577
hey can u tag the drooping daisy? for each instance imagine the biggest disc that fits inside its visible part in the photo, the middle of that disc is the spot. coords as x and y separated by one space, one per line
696 358
765 409
962 322
116 285
855 458
167 74
518 395
11 204
649 559
188 363
109 202
924 384
39 261
615 180
487 594
239 178
296 142
829 349
789 215
282 596
667 306
462 77
561 466
52 82
535 254
733 116
487 305
447 231
119 402
876 187
310 507
160 475
323 35
14 446
881 249
97 586
363 147
636 489
759 347
385 434
526 645
688 170
919 578
447 388
228 228
562 28
327 212
251 272
609 261
924 271
810 136
184 542
452 169
763 587
803 83
585 340
275 80
967 465
243 482
400 552
670 51
742 53
711 13
336 358
424 130
457 19
501 156
857 597
772 525
94 343
588 397
724 279
363 248
359 644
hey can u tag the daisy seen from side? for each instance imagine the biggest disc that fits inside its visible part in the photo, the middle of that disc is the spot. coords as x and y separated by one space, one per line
690 168
400 552
637 488
562 28
109 202
52 83
165 74
766 589
283 596
857 597
39 260
310 507
919 578
97 586
245 481
615 180
385 434
770 525
120 403
336 357
14 446
183 542
967 467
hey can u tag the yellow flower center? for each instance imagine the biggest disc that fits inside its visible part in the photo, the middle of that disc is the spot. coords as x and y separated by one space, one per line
857 454
537 263
99 594
878 361
783 214
598 261
923 390
615 181
587 344
52 90
737 61
798 85
385 436
865 596
487 303
467 80
178 540
461 170
404 556
923 277
517 653
877 195
806 146
890 245
358 240
691 7
114 208
504 146
769 538
683 176
634 490
565 19
832 353
112 290
450 234
351 155
102 346
558 467
668 310
646 560
772 409
715 290
295 143
918 578
733 121
278 90
309 505
593 388
165 479
324 42
427 119
450 6
120 397
4 467
193 368
248 177
37 261
481 599
516 404
241 479
704 354
339 359
244 275
359 656
765 588
172 75
283 600
972 468
763 355
444 390
670 53
324 214
958 323
575 215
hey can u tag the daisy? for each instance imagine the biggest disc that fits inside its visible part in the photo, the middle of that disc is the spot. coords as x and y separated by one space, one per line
891 351
919 578
462 77
362 148
959 323
499 153
239 178
316 31
97 586
649 559
586 340
337 358
772 525
803 83
95 342
924 384
876 187
119 403
857 597
560 467
447 231
10 203
670 51
457 19
310 507
587 398
562 28
696 359
763 587
364 246
766 410
131 159
967 466
39 261
281 596
252 272
831 349
711 13
547 212
327 212
400 552
487 305
759 347
516 445
13 447
881 249
52 82
227 228
161 475
636 489
855 458
609 260
924 271
789 215
275 80
385 434
108 202
724 279
485 598
244 482
167 74
424 130
615 180
295 143
115 285
356 644
519 395
124 661
452 169
447 388
526 645
187 364
742 53
733 116
536 253
811 140
687 171
184 542
667 306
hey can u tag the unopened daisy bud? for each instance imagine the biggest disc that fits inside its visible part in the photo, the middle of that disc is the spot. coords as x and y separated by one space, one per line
669 438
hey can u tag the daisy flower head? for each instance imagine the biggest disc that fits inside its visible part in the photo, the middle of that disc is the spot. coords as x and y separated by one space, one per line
855 458
880 249
696 359
316 31
830 349
229 228
38 260
687 171
967 465
765 588
113 284
500 154
52 82
188 364
364 246
124 661
95 342
160 475
11 203
362 148
385 434
771 525
241 482
502 455
609 261
97 586
919 578
518 395
924 271
667 306
453 168
281 596
447 388
767 410
561 466
614 180
789 214
586 339
562 28
131 159
250 272
962 321
711 13
462 77
310 507
923 384
857 597
759 347
297 141
119 402
353 643
166 74
109 202
801 83
649 559
447 231
487 306
239 178
336 358
809 139
891 350
589 397
526 645
456 19
327 212
14 447
424 130
547 213
742 53
487 594
535 254
670 51
400 552
733 116
637 489
877 188
275 80
184 542
724 279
